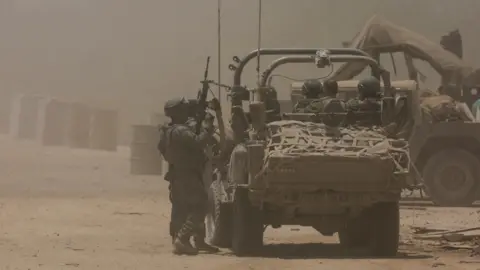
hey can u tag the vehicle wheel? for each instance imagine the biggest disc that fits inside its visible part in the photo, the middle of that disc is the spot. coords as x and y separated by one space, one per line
385 226
451 177
247 225
355 234
376 229
219 218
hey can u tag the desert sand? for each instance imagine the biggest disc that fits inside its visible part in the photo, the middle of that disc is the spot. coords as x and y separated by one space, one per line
81 209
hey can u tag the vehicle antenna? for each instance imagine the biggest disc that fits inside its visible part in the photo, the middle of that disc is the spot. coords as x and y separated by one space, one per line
219 39
259 39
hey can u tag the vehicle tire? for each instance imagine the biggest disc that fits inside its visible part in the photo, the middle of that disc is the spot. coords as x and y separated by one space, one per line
247 225
355 233
219 218
385 226
377 229
451 178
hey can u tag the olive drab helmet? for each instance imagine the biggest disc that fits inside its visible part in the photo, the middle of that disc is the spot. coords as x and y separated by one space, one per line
312 89
369 87
173 105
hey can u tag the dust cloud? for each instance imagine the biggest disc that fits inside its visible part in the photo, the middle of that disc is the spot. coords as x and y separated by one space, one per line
133 55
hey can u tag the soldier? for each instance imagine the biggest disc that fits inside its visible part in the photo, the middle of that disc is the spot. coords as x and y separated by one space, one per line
178 215
330 91
183 150
311 90
330 88
369 93
330 104
200 234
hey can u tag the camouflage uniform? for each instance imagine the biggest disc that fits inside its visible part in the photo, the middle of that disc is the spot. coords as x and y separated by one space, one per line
368 101
312 90
183 149
329 102
200 233
178 214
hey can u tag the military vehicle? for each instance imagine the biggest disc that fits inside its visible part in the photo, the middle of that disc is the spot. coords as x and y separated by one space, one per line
445 155
301 171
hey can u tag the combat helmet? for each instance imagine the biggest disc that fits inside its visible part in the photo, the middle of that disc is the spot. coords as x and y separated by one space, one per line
172 105
369 87
312 89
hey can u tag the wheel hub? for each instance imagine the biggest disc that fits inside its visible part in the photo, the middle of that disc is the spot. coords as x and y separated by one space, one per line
453 178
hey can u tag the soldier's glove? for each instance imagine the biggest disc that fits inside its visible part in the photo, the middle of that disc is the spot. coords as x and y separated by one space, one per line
214 104
209 117
208 123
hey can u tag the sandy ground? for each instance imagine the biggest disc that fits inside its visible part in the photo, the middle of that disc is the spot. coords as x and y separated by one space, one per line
80 209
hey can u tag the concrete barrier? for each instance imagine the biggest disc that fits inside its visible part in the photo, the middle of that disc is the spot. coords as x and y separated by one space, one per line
24 117
53 123
78 134
104 130
144 156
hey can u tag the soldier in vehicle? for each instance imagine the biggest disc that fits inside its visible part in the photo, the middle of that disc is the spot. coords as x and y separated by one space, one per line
329 103
330 88
184 151
311 90
367 105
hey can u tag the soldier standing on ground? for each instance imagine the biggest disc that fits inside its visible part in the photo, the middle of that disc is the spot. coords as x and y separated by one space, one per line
184 151
200 234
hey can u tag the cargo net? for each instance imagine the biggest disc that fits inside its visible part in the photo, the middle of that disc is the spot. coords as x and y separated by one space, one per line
294 138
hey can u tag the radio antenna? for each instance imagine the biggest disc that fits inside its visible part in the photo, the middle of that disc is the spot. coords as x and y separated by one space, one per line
259 39
219 44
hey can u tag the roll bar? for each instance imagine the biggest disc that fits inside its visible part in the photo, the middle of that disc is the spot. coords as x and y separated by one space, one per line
237 77
377 71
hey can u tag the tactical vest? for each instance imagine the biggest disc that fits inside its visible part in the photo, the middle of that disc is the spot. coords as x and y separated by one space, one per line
373 107
165 145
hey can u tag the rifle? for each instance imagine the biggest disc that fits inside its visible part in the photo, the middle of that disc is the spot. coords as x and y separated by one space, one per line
202 99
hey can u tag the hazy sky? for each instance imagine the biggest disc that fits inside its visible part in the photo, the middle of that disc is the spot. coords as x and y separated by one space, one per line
136 54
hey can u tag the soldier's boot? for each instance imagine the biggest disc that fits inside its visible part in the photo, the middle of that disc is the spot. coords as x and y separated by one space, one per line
183 247
181 244
201 245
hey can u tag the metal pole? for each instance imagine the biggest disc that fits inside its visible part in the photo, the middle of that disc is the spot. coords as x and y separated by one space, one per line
219 40
259 40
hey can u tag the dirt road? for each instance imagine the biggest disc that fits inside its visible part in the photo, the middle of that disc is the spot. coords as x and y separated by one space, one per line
80 209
